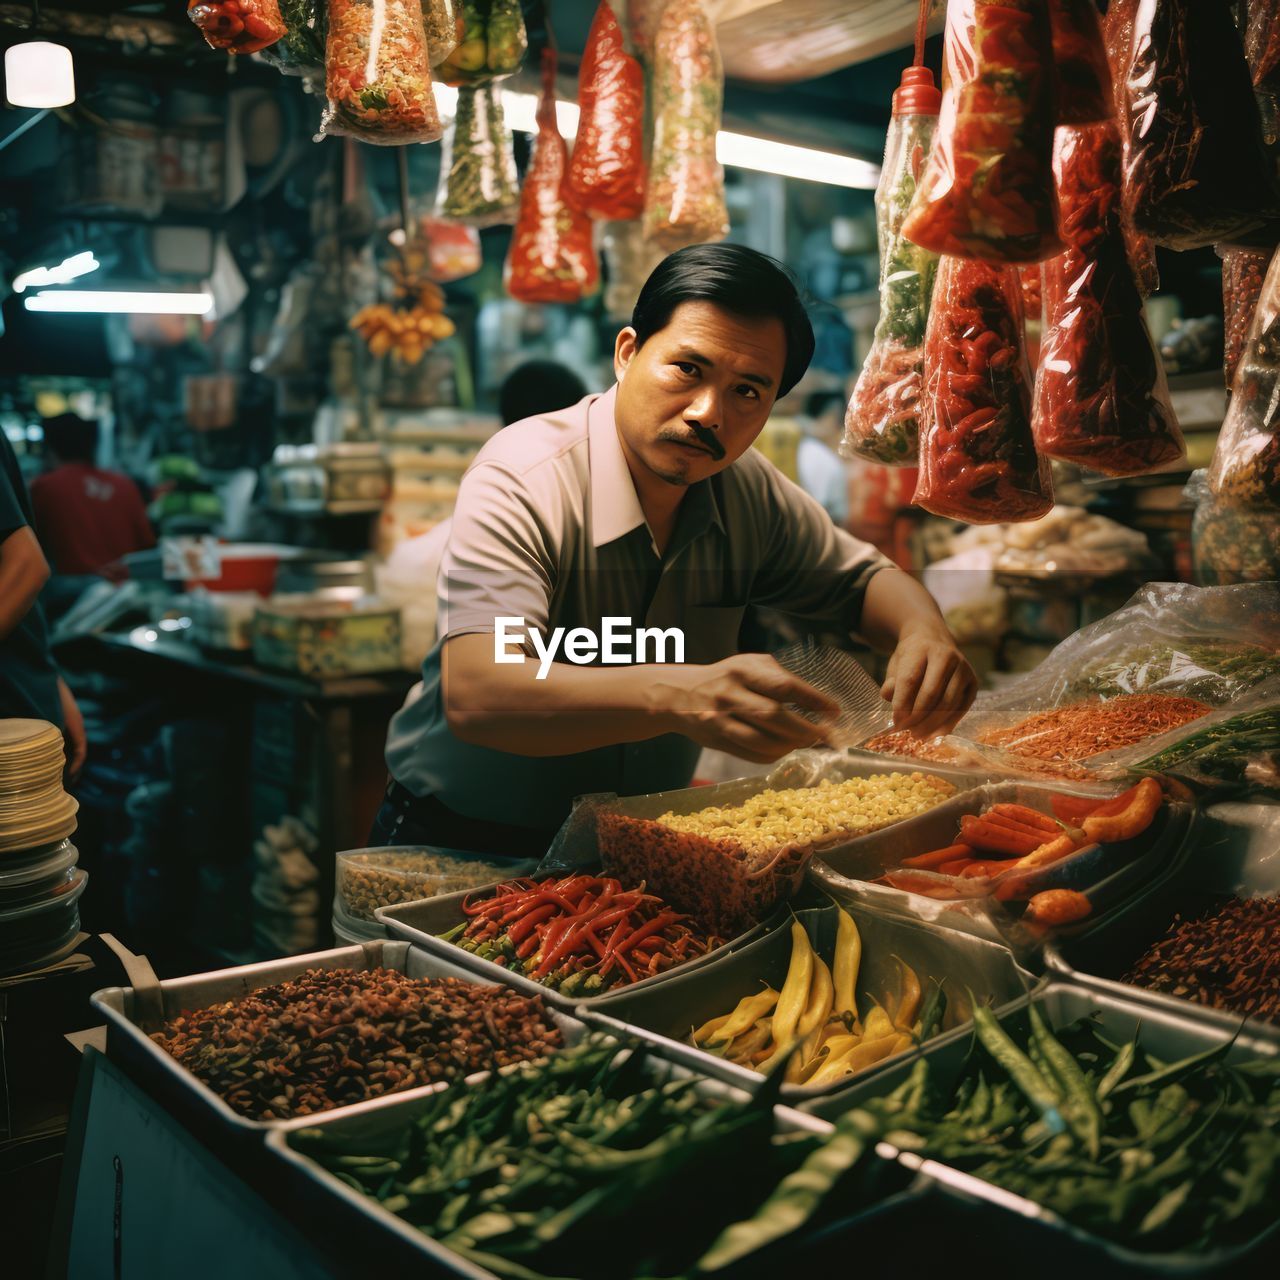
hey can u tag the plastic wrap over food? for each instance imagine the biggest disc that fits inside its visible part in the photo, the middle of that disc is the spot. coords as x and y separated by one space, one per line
453 251
881 423
1101 399
377 74
300 51
684 197
1243 271
443 27
977 459
1195 172
478 183
492 44
1081 75
629 261
606 174
238 26
1246 463
1262 40
987 191
552 256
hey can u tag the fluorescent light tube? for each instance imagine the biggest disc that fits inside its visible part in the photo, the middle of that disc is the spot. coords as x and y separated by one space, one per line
105 301
72 268
737 150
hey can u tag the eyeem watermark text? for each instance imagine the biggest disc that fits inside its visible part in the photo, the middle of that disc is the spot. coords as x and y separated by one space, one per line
619 643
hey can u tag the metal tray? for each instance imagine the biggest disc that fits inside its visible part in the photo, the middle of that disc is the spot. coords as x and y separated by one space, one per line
1111 875
130 1046
1230 859
1166 1034
663 1018
422 922
323 1197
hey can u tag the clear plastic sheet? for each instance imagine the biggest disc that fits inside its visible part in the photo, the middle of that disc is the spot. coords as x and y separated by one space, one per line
1101 398
1244 269
629 261
478 183
881 423
684 198
987 191
377 74
1195 172
552 256
238 26
977 459
1082 77
1246 463
606 174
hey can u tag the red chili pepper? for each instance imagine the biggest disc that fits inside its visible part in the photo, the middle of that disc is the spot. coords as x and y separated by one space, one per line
528 922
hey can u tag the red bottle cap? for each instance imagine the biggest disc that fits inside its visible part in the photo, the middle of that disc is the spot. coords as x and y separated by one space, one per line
917 95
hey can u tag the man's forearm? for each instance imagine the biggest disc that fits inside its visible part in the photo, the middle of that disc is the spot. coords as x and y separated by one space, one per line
23 571
896 603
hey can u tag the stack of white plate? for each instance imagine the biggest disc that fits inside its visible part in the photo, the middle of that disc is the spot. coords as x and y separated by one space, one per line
40 884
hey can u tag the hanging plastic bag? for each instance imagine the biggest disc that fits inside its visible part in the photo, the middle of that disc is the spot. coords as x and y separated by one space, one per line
377 76
987 191
453 251
552 256
977 459
492 46
467 63
1246 463
642 25
300 51
606 174
1195 172
238 26
881 423
1101 399
684 200
1243 271
478 183
629 261
443 26
1081 76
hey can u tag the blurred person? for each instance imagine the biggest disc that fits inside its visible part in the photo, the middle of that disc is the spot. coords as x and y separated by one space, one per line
822 472
30 686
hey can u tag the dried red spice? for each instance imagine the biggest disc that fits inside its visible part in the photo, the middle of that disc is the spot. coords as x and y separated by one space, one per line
1101 398
1244 269
1082 78
606 173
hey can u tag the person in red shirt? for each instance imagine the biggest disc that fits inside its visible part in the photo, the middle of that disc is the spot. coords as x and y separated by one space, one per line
86 517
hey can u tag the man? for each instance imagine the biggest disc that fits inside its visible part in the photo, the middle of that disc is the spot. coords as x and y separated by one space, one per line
87 517
821 470
645 503
30 687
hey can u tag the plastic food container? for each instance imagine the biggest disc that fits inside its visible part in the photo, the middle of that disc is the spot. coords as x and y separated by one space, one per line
40 931
383 877
37 875
327 638
664 1016
1026 1228
194 1102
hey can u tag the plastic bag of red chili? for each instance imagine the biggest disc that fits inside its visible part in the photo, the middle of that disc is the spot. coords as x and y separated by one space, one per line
1244 268
1195 171
684 199
377 75
987 191
238 26
453 251
1081 75
1101 399
977 459
606 174
552 256
478 184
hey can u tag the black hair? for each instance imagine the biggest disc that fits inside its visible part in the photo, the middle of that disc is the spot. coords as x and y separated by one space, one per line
816 403
536 387
71 437
740 280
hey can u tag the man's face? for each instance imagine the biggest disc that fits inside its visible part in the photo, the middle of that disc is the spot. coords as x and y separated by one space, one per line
708 373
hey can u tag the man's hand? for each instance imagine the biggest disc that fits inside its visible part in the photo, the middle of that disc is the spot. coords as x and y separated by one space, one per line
929 682
73 731
739 705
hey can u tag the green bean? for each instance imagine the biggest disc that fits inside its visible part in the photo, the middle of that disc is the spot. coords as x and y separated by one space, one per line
1118 1069
1081 1110
1021 1070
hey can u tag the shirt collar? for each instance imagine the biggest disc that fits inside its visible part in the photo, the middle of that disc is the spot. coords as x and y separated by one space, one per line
615 506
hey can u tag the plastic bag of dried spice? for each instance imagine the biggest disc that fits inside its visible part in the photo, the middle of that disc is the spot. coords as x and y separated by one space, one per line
881 424
1082 78
977 459
987 191
1101 399
1243 270
642 24
300 51
606 174
1246 463
629 260
377 75
684 199
552 256
238 26
443 27
1195 172
453 251
492 45
478 183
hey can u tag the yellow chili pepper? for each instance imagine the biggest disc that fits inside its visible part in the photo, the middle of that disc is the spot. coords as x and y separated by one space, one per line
909 1003
747 1045
704 1033
814 1019
848 960
795 992
878 1023
859 1058
748 1009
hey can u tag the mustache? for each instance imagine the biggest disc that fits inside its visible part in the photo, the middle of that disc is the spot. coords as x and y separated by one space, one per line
704 437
